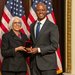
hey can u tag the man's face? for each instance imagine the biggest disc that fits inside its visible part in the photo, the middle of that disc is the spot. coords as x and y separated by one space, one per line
16 25
41 11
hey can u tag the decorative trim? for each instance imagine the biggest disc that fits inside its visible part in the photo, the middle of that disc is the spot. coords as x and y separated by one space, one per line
68 35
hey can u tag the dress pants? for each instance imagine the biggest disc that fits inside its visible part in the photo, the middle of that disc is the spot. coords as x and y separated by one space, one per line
35 71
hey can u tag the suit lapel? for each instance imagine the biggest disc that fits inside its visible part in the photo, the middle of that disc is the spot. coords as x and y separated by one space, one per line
32 32
42 30
14 36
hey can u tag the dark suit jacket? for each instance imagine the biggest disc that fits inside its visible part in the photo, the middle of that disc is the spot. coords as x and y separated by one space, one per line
13 61
47 41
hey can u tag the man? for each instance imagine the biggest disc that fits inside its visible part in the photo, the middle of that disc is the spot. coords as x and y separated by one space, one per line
43 59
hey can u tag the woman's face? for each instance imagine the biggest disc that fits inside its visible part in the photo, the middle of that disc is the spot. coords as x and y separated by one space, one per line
16 25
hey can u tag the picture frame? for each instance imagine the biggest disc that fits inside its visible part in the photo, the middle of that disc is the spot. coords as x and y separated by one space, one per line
68 35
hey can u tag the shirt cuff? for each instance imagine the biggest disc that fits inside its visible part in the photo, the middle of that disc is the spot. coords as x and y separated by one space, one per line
39 50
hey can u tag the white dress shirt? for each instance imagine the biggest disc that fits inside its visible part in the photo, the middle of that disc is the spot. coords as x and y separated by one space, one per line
41 25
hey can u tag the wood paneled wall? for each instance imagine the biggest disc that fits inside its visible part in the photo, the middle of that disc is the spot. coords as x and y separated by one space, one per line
2 2
59 10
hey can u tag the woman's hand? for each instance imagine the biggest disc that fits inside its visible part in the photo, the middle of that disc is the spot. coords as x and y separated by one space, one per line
20 48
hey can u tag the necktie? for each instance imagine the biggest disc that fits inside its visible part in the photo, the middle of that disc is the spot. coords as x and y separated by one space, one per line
37 29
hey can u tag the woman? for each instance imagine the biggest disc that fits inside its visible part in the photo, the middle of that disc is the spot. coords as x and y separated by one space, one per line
13 50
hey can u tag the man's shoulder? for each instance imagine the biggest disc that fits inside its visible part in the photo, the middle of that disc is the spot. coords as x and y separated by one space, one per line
51 24
33 24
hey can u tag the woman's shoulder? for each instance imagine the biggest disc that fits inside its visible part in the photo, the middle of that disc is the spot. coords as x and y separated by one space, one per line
6 34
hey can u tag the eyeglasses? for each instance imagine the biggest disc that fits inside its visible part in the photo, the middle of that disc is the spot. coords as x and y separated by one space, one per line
19 23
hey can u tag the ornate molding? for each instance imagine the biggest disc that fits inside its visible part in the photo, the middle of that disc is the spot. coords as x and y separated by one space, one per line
68 36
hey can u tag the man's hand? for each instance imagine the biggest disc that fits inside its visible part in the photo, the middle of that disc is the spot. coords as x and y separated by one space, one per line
32 50
29 50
